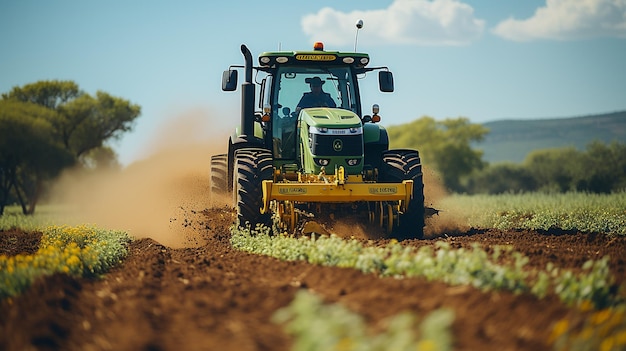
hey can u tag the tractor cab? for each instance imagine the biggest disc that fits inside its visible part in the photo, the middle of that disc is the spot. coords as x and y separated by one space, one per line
315 93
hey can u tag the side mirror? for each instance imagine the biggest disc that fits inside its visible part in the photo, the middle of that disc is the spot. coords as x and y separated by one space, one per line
229 80
385 81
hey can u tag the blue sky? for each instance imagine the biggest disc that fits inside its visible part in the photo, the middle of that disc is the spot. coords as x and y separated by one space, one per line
481 59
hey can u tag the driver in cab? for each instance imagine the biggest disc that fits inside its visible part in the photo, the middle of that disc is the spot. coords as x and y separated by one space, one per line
316 97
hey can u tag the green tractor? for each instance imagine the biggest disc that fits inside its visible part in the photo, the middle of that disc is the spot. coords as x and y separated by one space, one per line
305 147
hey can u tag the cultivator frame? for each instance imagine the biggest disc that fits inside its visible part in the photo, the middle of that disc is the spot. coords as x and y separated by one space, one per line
384 201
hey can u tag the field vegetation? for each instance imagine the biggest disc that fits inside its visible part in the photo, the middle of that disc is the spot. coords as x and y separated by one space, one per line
319 326
574 212
85 251
591 288
79 251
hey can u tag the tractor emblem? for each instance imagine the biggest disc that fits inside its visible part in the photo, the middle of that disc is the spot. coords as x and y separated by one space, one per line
337 145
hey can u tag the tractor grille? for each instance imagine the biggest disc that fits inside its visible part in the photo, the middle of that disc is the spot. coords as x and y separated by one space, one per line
336 145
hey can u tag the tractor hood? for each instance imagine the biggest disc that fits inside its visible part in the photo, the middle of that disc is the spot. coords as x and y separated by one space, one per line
331 118
331 138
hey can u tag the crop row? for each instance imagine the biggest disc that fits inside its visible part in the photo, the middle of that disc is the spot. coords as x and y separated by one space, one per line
589 290
461 266
316 326
77 251
600 213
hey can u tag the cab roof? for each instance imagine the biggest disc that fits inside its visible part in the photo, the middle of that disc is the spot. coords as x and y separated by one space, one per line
314 57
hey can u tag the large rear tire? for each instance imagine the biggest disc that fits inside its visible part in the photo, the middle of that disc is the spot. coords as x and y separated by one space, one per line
400 165
219 174
251 167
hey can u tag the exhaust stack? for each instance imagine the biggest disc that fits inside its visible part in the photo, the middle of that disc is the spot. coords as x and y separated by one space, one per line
247 95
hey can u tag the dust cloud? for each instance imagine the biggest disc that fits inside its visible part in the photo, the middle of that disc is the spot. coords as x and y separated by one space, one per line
348 228
446 221
158 197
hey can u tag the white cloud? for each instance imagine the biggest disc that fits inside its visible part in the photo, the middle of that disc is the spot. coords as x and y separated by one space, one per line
568 20
410 22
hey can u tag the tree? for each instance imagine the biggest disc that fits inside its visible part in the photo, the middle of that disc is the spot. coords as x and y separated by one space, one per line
29 154
50 94
555 169
444 145
604 168
74 122
102 158
501 178
601 168
83 122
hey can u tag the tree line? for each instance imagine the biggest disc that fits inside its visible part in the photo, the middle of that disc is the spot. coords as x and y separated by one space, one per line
445 147
600 168
48 126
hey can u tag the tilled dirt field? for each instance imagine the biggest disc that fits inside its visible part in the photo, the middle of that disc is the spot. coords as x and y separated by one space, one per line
213 297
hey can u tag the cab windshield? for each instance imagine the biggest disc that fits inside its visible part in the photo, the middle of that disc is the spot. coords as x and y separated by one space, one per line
294 82
292 86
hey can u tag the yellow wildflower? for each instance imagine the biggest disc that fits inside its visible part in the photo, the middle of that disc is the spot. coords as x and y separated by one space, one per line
345 344
73 260
559 329
620 338
586 306
586 333
601 316
607 344
427 345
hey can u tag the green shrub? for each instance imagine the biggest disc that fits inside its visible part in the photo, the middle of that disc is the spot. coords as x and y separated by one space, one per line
317 326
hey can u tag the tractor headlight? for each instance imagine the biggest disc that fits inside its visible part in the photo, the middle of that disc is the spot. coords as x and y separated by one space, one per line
348 60
321 161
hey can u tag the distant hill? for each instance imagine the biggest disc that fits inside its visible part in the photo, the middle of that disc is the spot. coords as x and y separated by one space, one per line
512 140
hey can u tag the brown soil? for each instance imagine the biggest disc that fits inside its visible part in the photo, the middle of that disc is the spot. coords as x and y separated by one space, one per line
14 242
213 297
